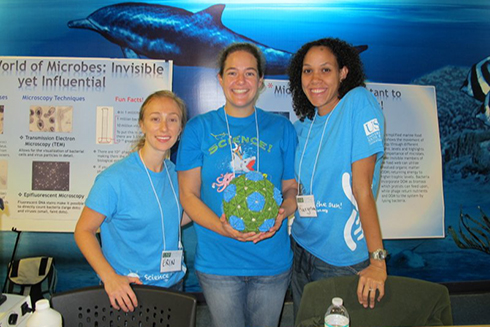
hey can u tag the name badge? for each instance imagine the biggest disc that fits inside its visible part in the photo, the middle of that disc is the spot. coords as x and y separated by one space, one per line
306 206
171 261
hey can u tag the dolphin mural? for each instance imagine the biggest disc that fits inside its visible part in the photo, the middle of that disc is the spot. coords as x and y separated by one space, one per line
164 32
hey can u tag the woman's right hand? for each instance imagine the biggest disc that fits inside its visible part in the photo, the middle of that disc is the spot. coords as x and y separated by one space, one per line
237 235
117 287
120 293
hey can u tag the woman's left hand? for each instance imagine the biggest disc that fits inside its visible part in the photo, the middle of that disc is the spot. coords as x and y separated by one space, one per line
288 207
371 279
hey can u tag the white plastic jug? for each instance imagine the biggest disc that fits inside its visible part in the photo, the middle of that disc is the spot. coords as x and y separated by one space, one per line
44 316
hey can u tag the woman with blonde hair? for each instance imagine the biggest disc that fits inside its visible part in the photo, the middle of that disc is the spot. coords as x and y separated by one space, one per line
135 203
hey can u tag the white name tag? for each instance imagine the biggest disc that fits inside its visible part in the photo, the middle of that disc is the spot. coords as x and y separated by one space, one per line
171 261
306 206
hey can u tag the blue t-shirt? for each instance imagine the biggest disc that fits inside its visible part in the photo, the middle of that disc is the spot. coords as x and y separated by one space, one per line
132 232
354 131
205 143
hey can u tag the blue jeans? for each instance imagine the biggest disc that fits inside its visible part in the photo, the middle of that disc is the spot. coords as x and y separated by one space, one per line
308 268
245 301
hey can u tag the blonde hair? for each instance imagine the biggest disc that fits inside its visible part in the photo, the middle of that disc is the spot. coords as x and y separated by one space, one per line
160 94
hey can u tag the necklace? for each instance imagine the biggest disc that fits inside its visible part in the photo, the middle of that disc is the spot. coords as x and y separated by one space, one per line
230 140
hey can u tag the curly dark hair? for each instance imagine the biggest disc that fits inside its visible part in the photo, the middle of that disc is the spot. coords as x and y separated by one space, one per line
347 56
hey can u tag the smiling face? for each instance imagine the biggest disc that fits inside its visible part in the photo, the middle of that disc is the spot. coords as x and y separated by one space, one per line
321 78
240 82
161 124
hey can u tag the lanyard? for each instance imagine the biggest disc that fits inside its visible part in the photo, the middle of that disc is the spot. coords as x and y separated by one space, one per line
230 139
158 200
318 151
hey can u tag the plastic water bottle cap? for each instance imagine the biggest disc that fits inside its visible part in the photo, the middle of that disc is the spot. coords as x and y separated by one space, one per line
42 304
337 301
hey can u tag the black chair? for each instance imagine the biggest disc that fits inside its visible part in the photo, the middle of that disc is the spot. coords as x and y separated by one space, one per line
157 306
407 302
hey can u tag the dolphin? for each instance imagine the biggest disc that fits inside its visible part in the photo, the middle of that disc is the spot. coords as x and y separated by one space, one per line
164 32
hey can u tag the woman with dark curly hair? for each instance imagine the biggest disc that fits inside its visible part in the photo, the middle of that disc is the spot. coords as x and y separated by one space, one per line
340 133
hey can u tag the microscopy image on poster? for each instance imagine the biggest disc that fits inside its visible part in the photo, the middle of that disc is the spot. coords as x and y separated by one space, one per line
50 176
50 119
41 119
3 174
64 119
105 123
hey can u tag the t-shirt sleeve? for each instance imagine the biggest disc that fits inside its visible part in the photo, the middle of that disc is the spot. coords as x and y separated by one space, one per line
368 126
189 153
102 197
290 142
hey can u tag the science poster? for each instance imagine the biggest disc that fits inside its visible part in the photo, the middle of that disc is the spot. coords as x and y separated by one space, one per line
64 121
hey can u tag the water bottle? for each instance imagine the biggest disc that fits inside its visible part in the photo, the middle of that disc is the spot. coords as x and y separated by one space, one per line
337 315
44 316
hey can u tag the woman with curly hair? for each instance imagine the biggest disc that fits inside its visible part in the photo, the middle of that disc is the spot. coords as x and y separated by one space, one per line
340 148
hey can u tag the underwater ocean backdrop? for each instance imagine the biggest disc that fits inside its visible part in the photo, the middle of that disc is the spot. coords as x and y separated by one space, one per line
433 42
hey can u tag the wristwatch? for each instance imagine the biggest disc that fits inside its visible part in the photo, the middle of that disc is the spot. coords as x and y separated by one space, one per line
379 254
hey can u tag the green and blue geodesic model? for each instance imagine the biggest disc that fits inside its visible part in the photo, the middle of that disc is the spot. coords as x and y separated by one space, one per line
251 203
